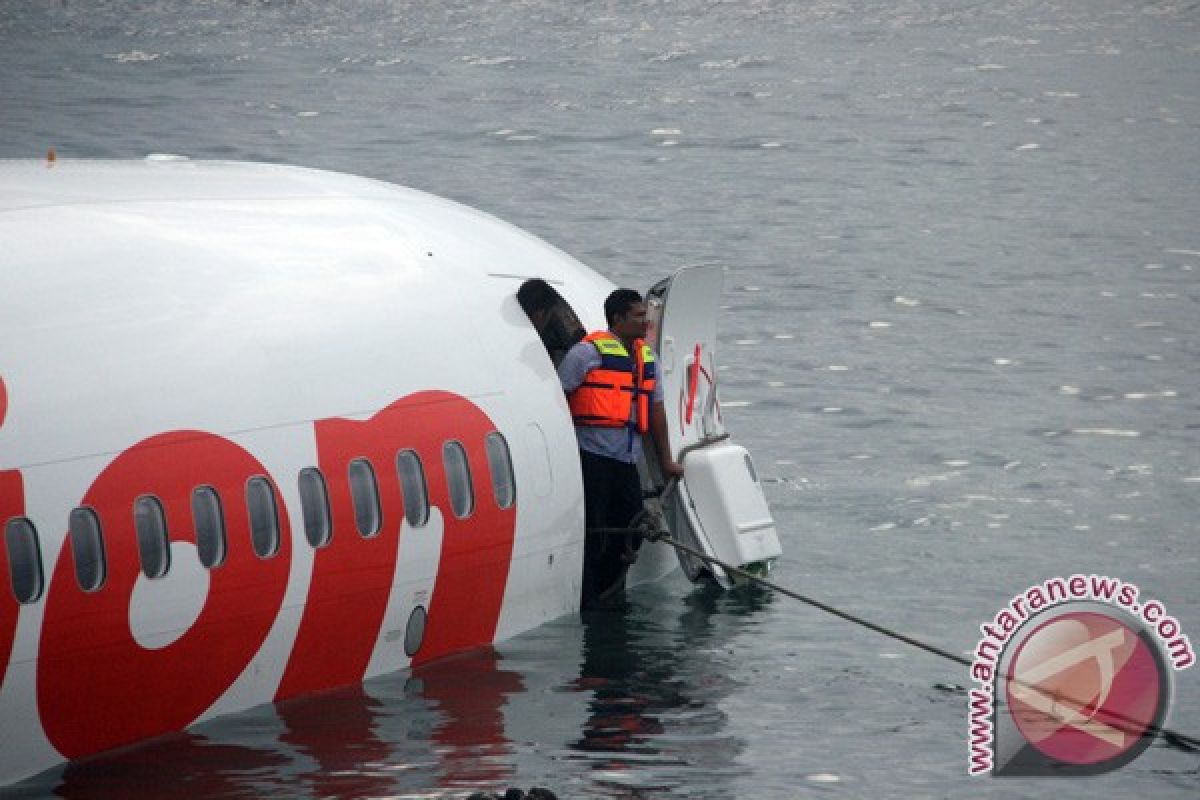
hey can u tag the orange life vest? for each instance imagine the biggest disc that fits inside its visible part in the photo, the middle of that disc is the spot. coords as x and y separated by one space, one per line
608 393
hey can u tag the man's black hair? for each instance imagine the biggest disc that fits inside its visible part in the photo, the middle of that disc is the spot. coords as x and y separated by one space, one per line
619 302
537 295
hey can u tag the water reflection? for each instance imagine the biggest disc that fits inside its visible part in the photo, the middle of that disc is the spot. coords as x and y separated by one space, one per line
469 692
440 727
338 733
631 698
179 766
657 678
627 693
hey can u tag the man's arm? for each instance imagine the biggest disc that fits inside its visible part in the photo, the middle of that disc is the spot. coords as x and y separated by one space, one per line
575 365
658 429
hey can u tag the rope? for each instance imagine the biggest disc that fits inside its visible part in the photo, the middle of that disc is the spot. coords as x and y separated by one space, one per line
1185 742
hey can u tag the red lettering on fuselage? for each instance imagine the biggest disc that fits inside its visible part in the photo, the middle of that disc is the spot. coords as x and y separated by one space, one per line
12 504
352 577
97 686
476 551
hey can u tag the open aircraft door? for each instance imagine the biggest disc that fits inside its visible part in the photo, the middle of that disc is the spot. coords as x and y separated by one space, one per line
718 507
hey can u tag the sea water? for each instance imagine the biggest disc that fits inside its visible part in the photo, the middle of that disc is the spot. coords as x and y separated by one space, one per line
959 335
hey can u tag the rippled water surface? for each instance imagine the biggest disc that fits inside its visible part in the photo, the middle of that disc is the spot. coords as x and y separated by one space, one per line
960 337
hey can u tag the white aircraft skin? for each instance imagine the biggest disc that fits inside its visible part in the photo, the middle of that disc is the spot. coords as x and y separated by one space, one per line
167 325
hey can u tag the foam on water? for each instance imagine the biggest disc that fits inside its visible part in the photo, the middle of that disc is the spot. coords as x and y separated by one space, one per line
1166 393
133 57
823 777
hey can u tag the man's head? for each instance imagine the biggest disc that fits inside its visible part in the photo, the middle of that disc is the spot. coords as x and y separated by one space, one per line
537 295
626 314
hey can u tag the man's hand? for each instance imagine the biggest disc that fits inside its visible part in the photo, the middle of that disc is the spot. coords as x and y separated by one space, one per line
658 429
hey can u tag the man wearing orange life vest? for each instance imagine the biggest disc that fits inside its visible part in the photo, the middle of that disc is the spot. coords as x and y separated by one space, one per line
613 392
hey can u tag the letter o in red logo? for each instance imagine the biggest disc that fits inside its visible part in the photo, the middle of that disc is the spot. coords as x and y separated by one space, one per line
97 686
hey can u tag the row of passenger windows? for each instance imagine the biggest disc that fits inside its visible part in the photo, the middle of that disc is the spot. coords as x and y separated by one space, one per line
150 522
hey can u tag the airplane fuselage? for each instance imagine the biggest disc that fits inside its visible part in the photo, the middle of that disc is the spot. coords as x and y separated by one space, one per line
264 431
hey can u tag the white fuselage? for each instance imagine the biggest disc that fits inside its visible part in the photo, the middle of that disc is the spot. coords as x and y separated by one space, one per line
174 332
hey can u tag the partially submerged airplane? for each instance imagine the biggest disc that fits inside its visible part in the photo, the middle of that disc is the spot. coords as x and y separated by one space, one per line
267 430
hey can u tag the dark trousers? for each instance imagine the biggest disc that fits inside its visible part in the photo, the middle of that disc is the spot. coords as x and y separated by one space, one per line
612 496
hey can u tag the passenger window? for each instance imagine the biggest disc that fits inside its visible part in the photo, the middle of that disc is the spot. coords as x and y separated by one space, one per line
24 560
264 516
364 493
210 526
458 477
500 465
412 483
87 548
314 502
151 525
